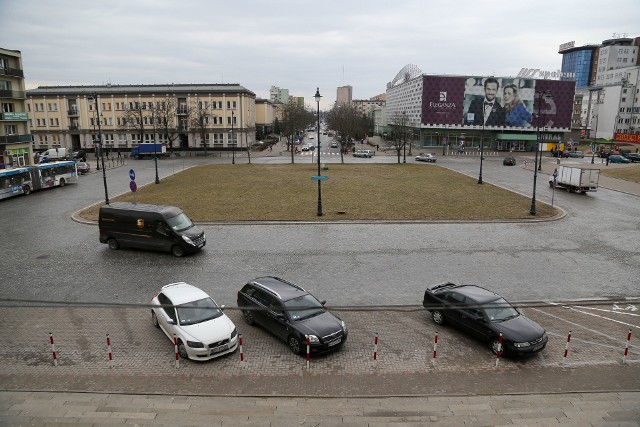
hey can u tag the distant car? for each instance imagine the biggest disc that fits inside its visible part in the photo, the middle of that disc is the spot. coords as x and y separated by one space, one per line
44 159
334 144
83 167
577 154
509 161
308 147
615 158
311 136
426 157
79 155
202 330
364 153
485 314
292 314
634 157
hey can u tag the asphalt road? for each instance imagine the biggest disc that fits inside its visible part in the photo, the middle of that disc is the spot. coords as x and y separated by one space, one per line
592 252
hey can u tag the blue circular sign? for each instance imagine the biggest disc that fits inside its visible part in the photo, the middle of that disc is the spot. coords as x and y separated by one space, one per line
133 186
132 174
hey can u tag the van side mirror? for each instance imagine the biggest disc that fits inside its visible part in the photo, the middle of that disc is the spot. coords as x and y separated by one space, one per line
222 307
323 302
170 321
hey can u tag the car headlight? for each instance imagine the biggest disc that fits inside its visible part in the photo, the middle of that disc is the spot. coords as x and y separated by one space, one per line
195 344
313 339
188 240
521 344
344 327
234 333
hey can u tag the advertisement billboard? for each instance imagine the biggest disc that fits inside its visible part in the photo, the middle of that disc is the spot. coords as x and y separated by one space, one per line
497 102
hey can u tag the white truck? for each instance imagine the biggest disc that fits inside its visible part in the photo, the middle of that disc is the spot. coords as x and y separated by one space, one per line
576 179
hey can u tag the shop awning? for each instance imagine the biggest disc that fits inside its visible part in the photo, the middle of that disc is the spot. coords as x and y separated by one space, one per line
516 136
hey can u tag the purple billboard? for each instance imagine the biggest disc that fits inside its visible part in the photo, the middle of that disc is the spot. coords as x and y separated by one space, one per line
497 102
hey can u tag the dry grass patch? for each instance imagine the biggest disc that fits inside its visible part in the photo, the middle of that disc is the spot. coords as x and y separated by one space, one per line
352 192
630 172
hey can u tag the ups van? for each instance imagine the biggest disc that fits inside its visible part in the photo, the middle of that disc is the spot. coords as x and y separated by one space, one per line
153 227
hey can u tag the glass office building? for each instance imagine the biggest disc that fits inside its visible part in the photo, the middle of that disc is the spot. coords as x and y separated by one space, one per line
579 62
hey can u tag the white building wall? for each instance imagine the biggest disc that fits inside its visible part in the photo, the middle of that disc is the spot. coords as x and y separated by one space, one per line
406 97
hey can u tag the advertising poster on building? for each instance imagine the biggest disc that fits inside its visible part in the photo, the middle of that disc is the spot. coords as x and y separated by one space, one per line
497 102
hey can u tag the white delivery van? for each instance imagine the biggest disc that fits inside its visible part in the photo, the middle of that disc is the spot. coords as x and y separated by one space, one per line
56 154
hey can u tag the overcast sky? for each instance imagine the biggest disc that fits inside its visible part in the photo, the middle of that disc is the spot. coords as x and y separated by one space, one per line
295 44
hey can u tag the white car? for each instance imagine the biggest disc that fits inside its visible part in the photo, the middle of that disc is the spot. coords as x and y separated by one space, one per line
426 157
202 330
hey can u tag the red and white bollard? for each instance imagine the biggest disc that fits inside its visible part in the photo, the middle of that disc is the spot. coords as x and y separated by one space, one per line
435 348
626 347
308 350
241 352
175 347
566 350
375 348
109 349
499 350
53 350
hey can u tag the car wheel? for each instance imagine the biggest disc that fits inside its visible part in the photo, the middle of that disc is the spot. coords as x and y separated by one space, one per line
438 317
495 346
26 190
154 319
295 345
62 183
248 317
113 244
177 251
182 350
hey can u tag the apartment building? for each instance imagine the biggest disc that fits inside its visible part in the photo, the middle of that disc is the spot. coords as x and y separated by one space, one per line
182 116
266 113
344 95
15 137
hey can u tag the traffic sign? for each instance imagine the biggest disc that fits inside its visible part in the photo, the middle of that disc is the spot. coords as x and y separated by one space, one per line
133 186
319 178
132 174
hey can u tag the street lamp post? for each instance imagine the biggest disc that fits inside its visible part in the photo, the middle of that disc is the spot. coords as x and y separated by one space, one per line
94 97
233 155
155 145
541 96
317 98
481 148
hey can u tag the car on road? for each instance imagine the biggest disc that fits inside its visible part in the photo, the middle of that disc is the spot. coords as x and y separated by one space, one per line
80 155
576 154
83 167
364 153
202 330
292 314
426 157
485 315
634 157
616 158
311 136
308 147
509 161
334 144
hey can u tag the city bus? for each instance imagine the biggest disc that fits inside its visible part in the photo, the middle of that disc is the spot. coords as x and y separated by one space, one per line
14 182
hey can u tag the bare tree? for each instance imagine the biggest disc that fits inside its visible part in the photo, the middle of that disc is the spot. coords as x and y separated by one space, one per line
133 119
165 118
399 124
199 118
295 120
349 122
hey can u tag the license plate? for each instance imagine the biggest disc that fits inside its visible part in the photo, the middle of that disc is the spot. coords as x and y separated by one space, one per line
220 348
336 342
538 347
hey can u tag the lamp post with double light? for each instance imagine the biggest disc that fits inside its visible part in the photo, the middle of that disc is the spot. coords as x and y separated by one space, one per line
233 142
94 98
481 149
317 97
541 96
155 145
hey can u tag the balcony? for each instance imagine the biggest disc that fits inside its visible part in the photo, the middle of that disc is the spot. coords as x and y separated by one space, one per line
14 72
15 139
14 117
74 127
182 111
17 94
73 112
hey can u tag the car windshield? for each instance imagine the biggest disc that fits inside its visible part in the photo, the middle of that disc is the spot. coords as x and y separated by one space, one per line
179 222
198 311
499 310
303 307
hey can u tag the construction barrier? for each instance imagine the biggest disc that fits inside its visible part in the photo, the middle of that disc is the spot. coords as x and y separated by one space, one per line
566 350
241 352
435 347
53 350
626 347
175 348
109 349
499 350
308 350
375 348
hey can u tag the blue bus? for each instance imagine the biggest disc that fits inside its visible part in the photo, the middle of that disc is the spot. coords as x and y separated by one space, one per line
14 182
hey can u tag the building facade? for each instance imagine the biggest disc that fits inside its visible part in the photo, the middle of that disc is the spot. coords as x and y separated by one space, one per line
277 94
344 95
192 116
15 136
265 115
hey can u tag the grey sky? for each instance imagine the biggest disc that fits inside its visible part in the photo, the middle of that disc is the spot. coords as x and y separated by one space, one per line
296 44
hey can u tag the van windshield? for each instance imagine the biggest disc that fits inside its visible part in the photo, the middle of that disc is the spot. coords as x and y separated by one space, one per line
179 222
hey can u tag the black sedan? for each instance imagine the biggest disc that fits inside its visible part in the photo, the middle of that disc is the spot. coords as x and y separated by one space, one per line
509 161
485 314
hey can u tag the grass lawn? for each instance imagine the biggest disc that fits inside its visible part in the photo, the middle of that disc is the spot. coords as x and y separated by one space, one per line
629 172
352 192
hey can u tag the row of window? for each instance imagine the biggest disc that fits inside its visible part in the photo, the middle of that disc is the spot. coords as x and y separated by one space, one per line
55 122
122 121
124 139
132 105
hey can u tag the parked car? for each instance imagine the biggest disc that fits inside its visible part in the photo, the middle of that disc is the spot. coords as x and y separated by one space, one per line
79 155
615 158
577 154
485 314
509 161
426 157
290 313
634 157
83 167
364 153
606 153
334 144
202 330
308 147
